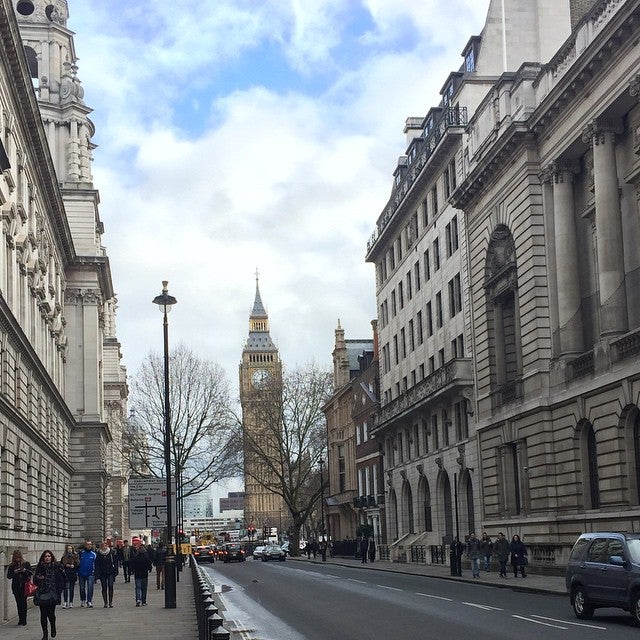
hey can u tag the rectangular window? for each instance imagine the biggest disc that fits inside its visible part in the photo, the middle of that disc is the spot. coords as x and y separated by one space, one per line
399 249
404 384
421 371
439 318
445 428
392 258
436 254
434 431
394 309
447 186
403 343
342 468
441 357
429 320
425 435
400 445
447 235
434 199
425 214
419 327
454 348
409 286
395 350
401 294
413 378
416 440
460 346
386 361
454 234
416 275
427 265
432 364
412 344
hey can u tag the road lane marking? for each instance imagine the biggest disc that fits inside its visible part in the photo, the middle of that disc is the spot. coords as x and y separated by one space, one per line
546 624
331 575
384 586
575 624
486 607
428 595
359 581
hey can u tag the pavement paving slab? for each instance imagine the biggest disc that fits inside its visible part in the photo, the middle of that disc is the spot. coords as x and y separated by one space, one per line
124 622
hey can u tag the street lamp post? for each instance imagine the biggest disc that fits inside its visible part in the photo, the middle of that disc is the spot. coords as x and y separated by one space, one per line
322 533
165 302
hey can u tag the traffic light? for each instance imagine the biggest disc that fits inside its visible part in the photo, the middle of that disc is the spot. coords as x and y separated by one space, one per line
265 532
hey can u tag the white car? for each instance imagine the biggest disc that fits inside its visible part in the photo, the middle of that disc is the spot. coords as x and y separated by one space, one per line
257 552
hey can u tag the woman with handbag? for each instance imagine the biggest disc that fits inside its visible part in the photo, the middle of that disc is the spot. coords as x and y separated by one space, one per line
49 578
19 573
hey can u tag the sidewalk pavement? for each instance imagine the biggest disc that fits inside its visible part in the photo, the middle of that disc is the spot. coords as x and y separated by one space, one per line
124 621
533 583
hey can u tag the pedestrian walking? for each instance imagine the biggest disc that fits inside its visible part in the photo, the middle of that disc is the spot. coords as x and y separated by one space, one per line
486 550
372 550
86 573
158 561
70 563
106 571
518 556
473 551
501 551
48 576
364 547
140 566
126 557
19 572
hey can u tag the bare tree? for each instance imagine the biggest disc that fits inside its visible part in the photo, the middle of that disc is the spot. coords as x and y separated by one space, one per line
285 447
203 443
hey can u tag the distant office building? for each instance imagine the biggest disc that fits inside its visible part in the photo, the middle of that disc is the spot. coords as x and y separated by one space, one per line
233 502
198 506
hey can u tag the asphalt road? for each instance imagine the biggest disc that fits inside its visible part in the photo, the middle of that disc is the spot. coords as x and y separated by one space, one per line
299 601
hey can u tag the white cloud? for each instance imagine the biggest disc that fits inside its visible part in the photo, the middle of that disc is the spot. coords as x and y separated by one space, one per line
287 180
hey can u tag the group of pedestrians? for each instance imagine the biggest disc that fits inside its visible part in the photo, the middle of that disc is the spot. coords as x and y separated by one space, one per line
367 549
52 583
483 549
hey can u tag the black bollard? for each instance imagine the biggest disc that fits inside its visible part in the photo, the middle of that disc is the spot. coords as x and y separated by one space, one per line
170 581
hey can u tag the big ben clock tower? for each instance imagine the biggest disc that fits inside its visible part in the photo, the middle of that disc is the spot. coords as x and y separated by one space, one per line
260 382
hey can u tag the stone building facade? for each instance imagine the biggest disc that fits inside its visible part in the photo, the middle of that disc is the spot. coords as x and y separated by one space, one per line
550 199
349 414
63 388
439 374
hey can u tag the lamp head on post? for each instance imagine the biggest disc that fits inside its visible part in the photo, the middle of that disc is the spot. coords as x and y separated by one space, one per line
164 300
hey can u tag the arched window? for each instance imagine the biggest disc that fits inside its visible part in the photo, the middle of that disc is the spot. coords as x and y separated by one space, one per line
590 466
501 286
424 497
407 507
393 513
448 507
32 61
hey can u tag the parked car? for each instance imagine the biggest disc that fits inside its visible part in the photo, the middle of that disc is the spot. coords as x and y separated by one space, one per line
286 548
232 551
604 571
257 552
273 552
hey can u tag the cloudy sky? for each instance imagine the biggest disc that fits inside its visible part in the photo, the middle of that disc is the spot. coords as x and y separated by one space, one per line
242 134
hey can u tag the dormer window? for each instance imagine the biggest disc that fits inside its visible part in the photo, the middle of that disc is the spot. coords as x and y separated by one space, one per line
470 61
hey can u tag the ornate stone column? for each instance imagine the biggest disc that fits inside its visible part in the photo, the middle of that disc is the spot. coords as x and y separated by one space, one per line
566 247
613 300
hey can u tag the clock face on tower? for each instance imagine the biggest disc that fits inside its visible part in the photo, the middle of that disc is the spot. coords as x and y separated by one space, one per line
260 377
